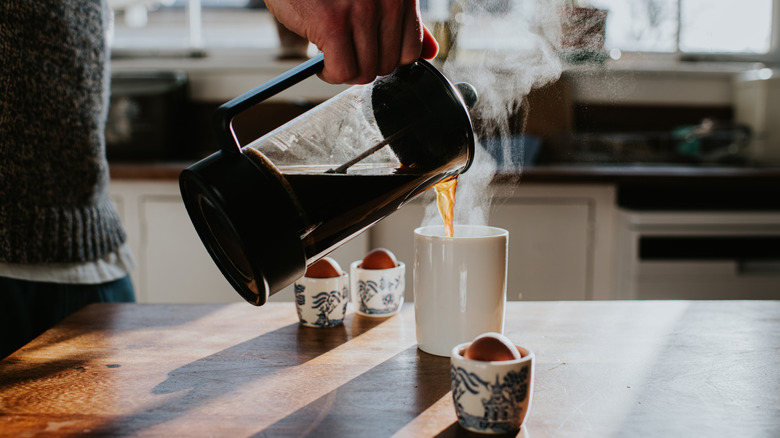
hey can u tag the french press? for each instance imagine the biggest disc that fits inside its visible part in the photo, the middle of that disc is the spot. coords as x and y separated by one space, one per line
268 209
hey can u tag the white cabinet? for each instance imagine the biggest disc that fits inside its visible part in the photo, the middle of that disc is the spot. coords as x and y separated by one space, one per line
549 248
560 243
560 239
173 265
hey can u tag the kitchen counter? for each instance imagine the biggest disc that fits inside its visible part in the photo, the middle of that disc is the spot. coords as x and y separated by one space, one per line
561 173
604 368
639 187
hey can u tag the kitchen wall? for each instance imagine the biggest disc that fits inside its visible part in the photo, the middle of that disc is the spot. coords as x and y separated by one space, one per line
587 98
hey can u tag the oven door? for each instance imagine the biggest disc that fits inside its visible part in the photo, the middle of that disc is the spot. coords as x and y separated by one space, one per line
694 255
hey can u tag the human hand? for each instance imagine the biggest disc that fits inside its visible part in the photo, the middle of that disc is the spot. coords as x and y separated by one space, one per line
361 39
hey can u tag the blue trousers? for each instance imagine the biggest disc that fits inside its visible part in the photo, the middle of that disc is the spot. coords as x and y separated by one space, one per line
29 308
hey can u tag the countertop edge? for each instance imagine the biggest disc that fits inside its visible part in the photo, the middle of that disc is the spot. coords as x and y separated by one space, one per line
610 174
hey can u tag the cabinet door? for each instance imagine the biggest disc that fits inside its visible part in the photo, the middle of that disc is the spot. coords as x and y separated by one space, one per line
550 245
174 264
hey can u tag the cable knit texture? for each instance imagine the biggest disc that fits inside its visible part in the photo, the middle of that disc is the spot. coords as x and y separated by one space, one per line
54 203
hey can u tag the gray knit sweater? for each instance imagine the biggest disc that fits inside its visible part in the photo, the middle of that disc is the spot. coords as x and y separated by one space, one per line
54 204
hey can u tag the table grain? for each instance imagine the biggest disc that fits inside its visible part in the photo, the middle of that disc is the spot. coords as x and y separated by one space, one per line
603 368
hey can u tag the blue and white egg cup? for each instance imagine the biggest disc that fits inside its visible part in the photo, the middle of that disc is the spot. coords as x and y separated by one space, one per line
377 292
322 302
492 397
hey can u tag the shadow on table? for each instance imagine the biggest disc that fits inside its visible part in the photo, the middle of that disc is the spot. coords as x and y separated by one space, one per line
81 330
378 403
456 431
259 357
201 382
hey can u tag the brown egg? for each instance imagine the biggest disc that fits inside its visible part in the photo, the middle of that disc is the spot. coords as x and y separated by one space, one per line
325 267
492 347
379 258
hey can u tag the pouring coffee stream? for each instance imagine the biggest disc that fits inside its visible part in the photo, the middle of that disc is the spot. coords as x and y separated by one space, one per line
268 209
445 202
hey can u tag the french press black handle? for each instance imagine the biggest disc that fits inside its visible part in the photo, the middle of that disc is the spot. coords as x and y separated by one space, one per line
223 117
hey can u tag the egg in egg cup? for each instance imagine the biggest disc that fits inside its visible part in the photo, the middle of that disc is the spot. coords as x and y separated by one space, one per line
492 396
377 284
321 295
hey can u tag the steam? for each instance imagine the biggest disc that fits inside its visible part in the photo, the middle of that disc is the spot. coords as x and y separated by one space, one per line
504 48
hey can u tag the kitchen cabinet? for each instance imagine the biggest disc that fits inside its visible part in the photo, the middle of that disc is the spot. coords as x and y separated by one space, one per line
560 242
173 265
560 239
171 260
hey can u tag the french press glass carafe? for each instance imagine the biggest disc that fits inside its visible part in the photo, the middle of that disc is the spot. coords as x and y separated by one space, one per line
268 209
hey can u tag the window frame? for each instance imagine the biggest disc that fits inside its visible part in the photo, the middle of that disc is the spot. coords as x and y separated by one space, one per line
194 11
772 56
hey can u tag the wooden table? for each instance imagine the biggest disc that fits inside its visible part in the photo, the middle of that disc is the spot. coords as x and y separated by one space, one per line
624 368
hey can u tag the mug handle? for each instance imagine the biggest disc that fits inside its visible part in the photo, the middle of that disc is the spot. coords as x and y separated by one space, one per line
223 117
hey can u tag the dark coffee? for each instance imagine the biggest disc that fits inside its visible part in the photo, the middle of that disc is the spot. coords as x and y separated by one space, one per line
336 207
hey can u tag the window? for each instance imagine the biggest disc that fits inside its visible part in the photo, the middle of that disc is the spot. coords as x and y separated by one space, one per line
190 25
727 29
747 28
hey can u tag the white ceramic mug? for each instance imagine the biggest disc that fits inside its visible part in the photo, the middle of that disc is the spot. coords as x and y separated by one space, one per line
459 285
322 302
492 397
377 292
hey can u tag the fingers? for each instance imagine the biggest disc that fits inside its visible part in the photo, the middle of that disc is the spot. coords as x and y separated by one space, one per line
412 36
366 31
340 63
430 47
391 36
332 32
361 39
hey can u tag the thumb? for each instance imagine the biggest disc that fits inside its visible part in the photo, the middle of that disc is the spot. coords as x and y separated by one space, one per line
430 47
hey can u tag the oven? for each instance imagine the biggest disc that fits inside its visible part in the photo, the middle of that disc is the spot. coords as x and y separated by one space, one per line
698 255
699 238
